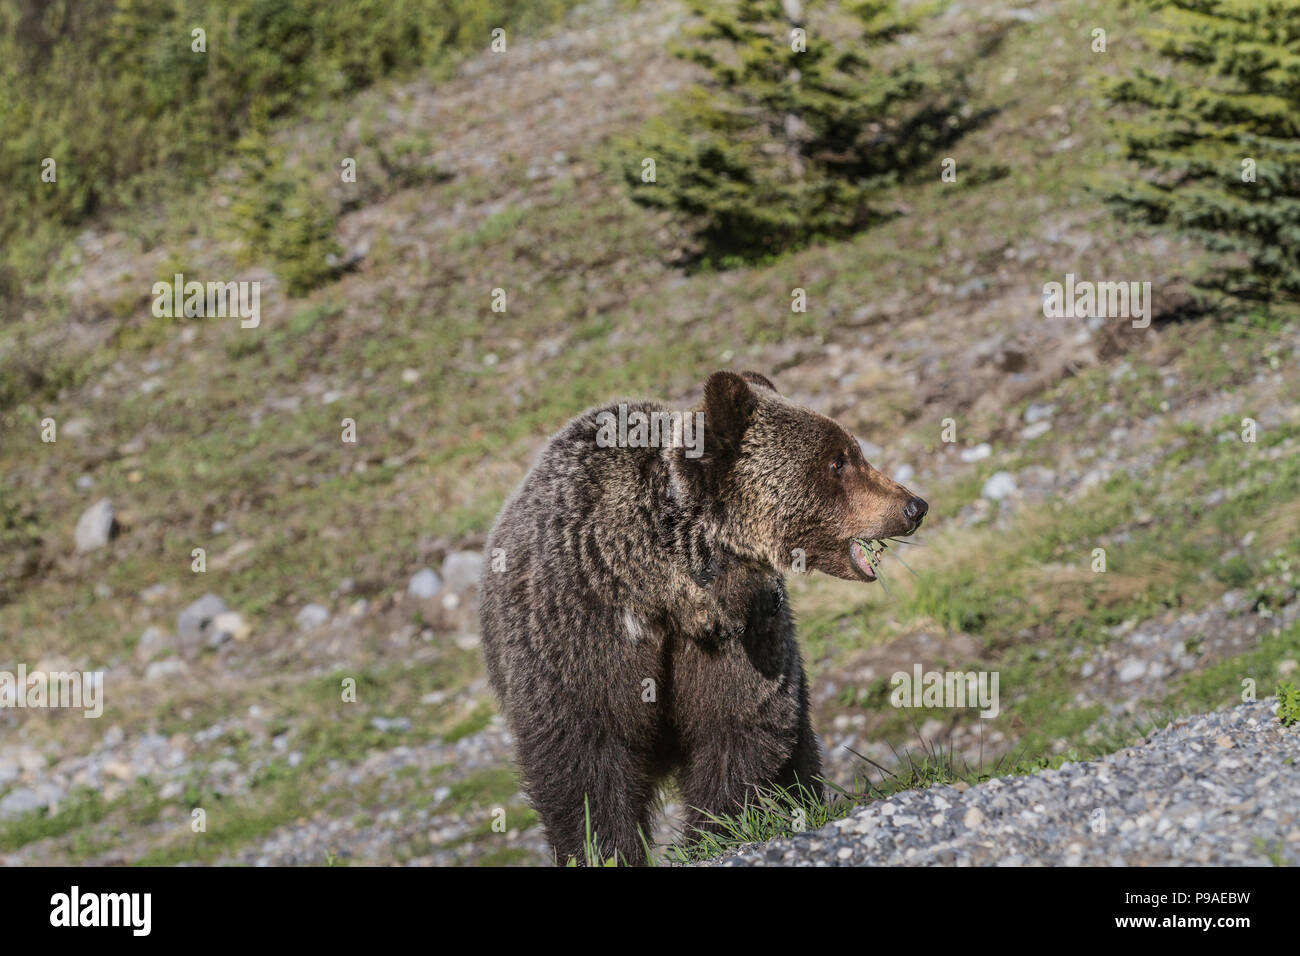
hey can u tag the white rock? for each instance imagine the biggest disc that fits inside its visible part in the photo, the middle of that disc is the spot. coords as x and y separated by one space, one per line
29 799
1000 486
312 616
1036 430
424 584
978 453
462 569
1131 670
193 623
228 625
95 526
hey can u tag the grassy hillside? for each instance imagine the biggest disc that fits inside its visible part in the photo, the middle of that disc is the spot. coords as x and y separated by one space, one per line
207 435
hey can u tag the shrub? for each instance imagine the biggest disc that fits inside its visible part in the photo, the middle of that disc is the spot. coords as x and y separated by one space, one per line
1216 138
786 141
20 543
281 216
114 93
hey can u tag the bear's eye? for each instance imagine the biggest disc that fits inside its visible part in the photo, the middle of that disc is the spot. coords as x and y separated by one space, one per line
837 466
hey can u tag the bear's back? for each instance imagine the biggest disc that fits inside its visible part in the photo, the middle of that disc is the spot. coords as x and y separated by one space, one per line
572 536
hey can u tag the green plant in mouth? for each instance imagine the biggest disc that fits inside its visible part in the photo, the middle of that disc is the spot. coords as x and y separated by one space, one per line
875 549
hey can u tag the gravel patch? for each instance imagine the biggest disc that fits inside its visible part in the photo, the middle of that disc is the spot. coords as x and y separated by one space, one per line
1214 790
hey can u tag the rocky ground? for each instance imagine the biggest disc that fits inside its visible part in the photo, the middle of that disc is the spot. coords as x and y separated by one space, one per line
1213 790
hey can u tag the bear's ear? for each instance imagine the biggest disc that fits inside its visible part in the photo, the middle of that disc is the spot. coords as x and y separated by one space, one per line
753 378
729 404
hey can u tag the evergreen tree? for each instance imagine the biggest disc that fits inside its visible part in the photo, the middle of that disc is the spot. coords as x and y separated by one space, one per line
1216 137
794 133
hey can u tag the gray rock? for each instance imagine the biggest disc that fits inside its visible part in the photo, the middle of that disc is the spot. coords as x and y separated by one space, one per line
151 642
95 526
1036 430
1131 670
462 569
194 623
29 799
978 453
1000 486
162 670
312 616
424 584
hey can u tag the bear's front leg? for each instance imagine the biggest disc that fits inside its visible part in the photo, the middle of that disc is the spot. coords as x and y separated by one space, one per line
742 711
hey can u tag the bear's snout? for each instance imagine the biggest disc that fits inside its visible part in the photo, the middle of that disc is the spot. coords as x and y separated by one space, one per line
914 511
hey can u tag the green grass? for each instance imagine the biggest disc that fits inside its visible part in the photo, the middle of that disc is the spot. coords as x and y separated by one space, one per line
119 98
1288 703
81 809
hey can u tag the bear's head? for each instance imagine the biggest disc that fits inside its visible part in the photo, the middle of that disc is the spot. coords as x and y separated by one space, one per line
787 481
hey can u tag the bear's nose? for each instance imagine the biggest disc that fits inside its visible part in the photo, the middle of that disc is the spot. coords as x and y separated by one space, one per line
915 509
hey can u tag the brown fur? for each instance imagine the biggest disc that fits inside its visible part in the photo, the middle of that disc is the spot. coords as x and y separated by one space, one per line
635 620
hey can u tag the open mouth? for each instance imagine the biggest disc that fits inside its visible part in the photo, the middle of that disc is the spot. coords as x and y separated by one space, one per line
865 555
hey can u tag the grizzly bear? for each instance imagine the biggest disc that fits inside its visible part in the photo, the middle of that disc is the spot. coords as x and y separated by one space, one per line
635 621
